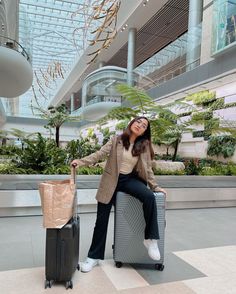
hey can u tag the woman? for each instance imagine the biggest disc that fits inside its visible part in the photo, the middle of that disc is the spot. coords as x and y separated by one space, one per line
128 169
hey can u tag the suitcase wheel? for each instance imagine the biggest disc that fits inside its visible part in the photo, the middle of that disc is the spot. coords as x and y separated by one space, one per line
159 266
69 284
48 283
119 264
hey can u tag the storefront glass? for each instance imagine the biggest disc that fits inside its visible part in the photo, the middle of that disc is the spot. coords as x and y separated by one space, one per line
224 25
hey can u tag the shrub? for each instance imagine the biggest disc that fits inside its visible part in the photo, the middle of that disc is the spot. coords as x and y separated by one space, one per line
9 150
217 104
40 154
57 170
217 169
81 148
232 168
221 145
12 169
90 170
167 157
192 166
214 171
202 98
168 172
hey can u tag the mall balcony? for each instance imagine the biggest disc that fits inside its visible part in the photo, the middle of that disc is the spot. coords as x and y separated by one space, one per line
99 94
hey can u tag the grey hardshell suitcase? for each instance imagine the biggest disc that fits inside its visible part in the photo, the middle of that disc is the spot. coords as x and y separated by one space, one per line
129 231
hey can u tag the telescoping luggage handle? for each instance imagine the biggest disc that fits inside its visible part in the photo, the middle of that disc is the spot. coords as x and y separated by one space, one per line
73 181
73 173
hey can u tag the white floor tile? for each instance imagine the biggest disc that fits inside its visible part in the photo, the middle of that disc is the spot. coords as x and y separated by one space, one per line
124 278
211 261
225 284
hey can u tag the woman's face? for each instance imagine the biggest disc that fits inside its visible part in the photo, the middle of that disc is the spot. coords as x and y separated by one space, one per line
139 126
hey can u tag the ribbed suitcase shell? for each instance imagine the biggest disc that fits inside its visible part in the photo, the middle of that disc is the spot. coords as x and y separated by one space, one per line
129 230
62 253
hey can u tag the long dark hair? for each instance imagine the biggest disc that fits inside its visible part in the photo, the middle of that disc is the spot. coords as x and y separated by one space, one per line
142 142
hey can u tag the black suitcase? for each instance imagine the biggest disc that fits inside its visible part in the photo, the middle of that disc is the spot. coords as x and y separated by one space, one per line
62 253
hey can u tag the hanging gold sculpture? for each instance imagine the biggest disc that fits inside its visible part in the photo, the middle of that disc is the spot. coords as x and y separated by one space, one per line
53 72
100 22
99 19
46 79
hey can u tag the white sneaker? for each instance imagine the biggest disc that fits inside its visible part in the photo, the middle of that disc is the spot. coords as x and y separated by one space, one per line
152 247
88 264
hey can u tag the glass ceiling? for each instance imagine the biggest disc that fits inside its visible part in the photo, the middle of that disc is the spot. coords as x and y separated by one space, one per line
54 33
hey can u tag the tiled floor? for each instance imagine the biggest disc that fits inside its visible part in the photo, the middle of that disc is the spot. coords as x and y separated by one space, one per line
200 257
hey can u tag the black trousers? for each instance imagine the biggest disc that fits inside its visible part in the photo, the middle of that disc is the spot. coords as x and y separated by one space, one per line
134 186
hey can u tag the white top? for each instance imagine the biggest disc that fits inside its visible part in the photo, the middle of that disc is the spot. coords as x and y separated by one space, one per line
128 161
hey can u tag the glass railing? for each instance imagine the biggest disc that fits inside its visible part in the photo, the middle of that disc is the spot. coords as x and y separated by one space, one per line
104 99
100 86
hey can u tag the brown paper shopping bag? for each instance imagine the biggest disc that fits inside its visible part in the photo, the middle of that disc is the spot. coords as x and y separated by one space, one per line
58 201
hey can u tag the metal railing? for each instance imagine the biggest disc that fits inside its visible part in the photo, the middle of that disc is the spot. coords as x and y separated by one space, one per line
14 45
147 83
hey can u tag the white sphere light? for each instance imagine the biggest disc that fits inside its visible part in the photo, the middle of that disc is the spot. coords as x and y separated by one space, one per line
16 75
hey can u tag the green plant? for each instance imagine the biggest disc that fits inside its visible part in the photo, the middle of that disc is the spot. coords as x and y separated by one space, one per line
168 172
232 168
202 98
167 157
205 116
106 134
72 149
21 136
40 154
90 170
221 145
198 134
210 125
57 170
56 117
10 150
85 148
187 113
217 104
11 169
120 126
164 127
222 170
192 166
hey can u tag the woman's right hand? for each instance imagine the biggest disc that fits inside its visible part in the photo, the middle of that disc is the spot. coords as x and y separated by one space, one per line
159 189
74 163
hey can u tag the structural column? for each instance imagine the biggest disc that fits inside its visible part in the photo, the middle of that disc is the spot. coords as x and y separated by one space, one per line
72 102
194 35
131 56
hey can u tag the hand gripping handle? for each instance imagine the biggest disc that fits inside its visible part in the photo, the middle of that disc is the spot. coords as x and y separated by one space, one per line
73 173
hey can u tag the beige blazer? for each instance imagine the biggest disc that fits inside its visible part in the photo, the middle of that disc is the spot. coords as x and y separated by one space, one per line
114 150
